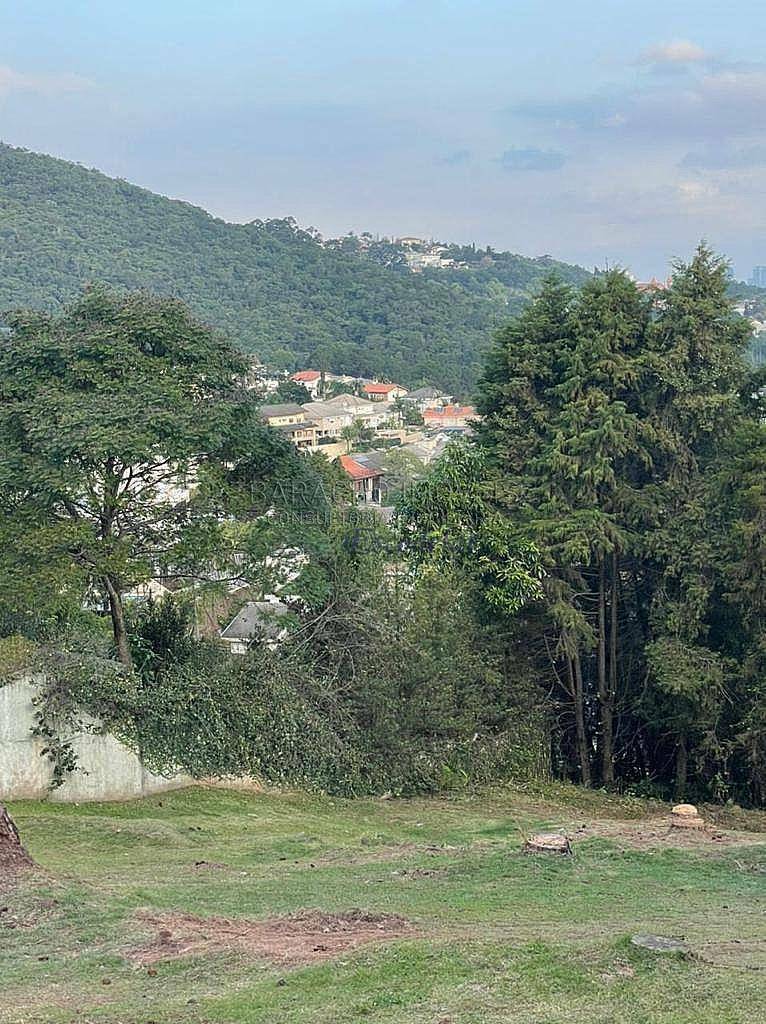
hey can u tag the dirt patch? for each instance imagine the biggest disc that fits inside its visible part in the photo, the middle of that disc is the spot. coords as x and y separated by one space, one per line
657 832
304 937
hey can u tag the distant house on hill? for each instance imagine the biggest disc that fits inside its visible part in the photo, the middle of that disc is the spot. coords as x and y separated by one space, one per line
366 480
378 392
310 379
373 414
653 286
291 419
450 416
427 398
257 622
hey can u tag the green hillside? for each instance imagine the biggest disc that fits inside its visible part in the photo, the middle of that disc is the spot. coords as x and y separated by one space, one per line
274 288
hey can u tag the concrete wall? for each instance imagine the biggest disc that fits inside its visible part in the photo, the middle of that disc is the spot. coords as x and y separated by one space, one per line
107 769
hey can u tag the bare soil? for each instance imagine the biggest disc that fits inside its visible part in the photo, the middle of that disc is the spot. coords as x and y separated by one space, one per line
304 937
655 832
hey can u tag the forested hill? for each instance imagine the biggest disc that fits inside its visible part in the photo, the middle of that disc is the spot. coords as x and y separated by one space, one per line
275 289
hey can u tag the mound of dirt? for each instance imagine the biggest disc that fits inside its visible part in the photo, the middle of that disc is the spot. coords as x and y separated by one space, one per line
300 938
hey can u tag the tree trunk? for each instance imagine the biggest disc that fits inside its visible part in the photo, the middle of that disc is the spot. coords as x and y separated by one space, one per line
575 672
608 750
12 853
682 766
604 696
119 630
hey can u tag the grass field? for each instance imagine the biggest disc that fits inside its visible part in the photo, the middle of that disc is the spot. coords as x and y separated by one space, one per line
491 935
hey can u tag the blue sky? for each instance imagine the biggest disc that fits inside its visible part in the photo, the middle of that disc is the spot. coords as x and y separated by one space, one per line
594 131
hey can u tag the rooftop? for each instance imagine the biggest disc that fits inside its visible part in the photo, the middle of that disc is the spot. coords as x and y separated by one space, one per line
356 470
257 619
284 409
380 389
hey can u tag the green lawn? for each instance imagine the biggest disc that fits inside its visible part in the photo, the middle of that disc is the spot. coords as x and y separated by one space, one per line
496 935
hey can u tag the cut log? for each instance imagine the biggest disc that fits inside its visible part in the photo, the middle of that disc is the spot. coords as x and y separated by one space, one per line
686 816
548 842
12 854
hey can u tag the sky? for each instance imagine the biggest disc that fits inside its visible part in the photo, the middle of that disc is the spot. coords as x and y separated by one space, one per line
607 132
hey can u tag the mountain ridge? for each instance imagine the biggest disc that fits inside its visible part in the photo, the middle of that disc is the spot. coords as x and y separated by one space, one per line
277 290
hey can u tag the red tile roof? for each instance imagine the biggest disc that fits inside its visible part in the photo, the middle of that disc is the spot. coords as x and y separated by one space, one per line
379 389
450 412
357 471
306 375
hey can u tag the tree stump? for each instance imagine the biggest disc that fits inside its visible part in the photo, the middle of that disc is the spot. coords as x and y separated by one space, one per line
12 854
660 944
686 816
548 842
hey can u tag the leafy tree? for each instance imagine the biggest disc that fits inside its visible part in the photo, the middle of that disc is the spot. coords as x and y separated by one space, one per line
626 438
291 391
103 409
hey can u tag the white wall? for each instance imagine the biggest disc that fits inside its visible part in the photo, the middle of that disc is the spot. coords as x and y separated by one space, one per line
107 769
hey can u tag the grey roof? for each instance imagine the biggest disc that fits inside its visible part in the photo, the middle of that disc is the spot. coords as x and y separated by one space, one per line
322 409
256 620
285 409
420 394
350 401
370 460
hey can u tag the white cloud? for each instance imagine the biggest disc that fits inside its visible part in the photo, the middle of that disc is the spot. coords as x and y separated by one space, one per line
43 84
681 51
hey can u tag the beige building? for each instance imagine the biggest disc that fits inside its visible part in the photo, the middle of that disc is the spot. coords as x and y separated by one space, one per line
291 419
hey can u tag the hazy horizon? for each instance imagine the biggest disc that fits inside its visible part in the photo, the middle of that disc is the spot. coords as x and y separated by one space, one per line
622 134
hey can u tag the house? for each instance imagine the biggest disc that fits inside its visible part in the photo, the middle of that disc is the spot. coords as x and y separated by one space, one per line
291 419
427 398
365 480
256 622
372 414
283 414
379 392
450 416
310 379
302 435
330 417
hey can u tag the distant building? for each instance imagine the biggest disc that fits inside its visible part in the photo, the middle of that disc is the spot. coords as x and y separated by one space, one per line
653 286
378 392
310 379
257 622
759 277
282 414
372 414
427 398
291 419
458 416
365 480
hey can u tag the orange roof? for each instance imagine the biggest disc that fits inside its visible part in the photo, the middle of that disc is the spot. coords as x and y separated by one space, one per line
379 389
449 411
306 375
357 471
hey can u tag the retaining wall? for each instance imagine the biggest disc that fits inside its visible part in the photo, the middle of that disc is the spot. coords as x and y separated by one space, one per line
107 769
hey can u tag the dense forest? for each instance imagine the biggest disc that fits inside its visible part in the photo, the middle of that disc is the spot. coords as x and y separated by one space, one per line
272 287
